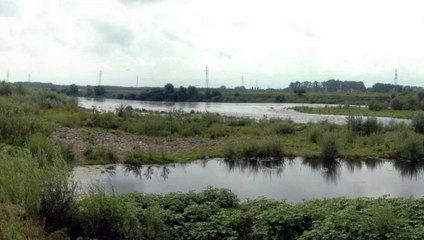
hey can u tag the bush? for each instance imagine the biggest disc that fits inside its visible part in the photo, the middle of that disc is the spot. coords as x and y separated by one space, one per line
315 134
367 127
264 148
22 179
107 217
329 146
106 120
285 127
370 126
42 147
418 122
58 201
354 124
411 147
67 152
101 154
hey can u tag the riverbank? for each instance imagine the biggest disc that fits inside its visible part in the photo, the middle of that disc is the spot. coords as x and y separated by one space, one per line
355 111
231 138
44 134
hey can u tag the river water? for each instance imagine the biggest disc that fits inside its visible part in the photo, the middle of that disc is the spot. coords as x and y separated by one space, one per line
291 179
251 110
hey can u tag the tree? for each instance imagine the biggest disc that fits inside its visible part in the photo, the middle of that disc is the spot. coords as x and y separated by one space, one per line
191 92
89 91
73 90
169 92
99 91
300 92
182 94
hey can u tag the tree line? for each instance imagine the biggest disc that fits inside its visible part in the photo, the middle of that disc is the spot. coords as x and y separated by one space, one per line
333 85
170 93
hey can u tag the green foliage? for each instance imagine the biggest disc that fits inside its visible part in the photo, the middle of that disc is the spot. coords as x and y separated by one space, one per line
410 146
67 152
101 154
418 122
58 201
263 148
384 221
42 147
315 134
285 127
106 120
367 127
22 178
330 147
106 217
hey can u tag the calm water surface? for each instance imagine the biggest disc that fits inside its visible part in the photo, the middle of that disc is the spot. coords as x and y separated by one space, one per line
251 110
294 179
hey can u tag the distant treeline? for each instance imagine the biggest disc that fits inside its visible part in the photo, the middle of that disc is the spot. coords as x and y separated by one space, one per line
170 93
333 85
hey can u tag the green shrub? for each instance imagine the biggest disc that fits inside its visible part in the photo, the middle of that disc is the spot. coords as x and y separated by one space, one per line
42 147
106 120
315 134
329 146
101 154
137 157
384 221
354 124
107 217
367 127
58 201
418 122
411 147
22 179
285 127
67 152
263 148
370 126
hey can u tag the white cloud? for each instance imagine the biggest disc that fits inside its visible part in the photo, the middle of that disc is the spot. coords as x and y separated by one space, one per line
274 42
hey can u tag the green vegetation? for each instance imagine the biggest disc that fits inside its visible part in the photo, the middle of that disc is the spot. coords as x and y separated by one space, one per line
357 111
218 214
39 200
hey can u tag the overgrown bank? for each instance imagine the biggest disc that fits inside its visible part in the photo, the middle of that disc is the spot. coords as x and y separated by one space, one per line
39 201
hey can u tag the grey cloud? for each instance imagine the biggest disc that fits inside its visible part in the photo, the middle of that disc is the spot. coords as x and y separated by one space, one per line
224 55
112 33
174 37
8 8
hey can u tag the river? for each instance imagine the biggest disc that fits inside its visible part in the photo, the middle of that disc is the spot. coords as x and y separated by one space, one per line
251 110
292 179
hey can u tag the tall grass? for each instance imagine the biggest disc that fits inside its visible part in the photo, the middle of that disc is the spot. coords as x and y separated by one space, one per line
263 148
330 147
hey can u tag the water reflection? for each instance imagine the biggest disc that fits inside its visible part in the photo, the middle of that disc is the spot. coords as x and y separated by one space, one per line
263 167
409 169
148 171
330 170
291 179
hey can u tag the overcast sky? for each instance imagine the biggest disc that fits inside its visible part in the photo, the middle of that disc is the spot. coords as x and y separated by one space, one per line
273 42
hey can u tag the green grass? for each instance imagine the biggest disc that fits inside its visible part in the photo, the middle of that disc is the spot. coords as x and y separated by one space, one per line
355 111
